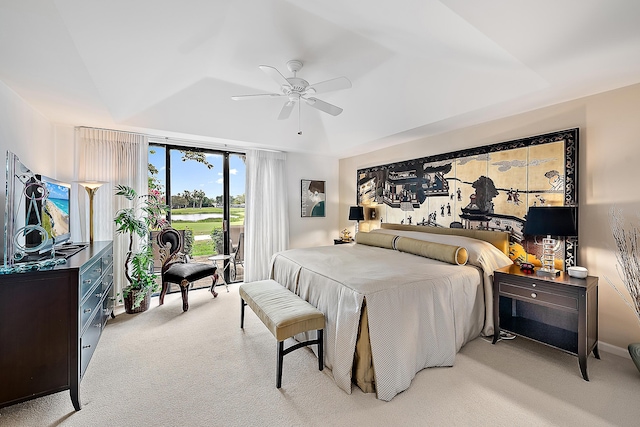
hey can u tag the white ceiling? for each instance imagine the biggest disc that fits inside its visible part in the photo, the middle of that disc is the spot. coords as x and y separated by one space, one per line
418 67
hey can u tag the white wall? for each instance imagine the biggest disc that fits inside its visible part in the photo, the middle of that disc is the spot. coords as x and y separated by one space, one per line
26 133
307 232
65 158
608 168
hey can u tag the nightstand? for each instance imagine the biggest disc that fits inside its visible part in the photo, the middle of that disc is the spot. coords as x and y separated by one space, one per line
559 311
340 241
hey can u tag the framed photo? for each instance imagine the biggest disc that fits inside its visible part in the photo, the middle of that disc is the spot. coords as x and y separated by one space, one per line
312 198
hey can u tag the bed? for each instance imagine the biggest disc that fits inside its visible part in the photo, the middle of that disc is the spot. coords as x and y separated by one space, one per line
396 301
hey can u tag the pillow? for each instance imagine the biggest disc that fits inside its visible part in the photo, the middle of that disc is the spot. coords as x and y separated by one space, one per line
456 255
374 239
481 254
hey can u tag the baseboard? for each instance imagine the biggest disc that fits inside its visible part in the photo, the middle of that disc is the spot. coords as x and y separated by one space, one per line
618 351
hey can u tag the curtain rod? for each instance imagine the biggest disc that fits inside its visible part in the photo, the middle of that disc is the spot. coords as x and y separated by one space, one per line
174 141
111 130
195 144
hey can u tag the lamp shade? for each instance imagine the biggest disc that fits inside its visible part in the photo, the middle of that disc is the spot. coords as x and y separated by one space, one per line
93 185
356 213
551 221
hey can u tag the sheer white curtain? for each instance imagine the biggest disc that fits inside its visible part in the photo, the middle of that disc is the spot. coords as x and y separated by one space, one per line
115 158
267 217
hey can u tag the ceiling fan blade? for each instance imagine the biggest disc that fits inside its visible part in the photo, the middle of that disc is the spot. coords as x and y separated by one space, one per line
338 83
259 95
323 106
275 75
286 110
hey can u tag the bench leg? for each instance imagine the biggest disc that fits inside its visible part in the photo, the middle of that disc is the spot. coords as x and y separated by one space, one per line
320 350
242 304
279 367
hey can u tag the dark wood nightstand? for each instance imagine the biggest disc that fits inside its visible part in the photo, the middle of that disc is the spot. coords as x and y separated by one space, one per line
559 311
340 241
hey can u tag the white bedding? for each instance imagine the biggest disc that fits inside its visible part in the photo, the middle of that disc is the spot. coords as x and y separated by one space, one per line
420 311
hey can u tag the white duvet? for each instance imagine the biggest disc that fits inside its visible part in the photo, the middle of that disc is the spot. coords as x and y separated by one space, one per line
420 311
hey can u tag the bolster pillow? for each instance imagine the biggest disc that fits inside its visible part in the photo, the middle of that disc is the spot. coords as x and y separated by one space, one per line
376 239
438 251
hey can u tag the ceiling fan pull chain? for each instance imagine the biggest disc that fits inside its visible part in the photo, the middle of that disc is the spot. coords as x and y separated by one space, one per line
299 119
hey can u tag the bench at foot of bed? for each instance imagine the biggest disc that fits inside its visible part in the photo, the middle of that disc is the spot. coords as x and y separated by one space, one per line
285 315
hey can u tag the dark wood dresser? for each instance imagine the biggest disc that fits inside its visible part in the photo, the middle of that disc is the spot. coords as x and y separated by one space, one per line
559 311
50 324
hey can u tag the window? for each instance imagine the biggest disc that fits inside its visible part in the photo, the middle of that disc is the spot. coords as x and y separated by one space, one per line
205 190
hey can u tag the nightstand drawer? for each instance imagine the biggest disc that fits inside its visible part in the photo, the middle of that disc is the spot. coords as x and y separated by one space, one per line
540 296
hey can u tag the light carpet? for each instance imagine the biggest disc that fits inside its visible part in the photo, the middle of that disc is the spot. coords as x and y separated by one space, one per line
169 368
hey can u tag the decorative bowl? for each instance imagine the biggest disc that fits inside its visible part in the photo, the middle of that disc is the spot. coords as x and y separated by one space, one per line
578 272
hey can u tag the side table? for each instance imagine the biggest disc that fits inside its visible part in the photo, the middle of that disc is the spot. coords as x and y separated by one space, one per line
225 265
559 311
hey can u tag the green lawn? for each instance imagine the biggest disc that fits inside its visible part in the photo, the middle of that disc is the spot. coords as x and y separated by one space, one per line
205 227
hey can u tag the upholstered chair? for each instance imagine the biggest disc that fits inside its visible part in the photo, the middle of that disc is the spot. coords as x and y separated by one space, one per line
176 267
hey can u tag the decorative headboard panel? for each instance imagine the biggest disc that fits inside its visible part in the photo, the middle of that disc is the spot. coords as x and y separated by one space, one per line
483 188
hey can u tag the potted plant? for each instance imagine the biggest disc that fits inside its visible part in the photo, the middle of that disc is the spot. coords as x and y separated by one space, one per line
146 213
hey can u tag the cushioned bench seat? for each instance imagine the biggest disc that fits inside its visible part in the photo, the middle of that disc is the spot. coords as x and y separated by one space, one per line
285 315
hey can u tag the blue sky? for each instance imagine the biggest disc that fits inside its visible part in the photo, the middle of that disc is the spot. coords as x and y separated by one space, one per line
57 191
191 175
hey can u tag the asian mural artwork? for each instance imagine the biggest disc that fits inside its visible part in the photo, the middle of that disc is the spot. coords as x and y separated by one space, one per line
489 187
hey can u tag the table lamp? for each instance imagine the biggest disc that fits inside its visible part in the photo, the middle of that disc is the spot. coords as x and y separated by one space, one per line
356 213
91 187
550 221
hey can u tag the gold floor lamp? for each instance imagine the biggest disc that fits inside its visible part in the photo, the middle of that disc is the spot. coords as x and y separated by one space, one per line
91 187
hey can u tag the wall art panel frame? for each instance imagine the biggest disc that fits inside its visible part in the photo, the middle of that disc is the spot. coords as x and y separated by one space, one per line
488 187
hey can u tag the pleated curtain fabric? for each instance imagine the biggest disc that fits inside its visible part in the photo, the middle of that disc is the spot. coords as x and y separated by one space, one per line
116 158
267 216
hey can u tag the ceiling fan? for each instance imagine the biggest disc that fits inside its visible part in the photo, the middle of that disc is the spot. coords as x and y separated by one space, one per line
296 89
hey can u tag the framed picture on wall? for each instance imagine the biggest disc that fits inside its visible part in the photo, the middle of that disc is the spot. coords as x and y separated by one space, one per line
490 187
312 198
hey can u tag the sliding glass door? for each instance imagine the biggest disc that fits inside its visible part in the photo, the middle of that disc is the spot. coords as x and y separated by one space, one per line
205 192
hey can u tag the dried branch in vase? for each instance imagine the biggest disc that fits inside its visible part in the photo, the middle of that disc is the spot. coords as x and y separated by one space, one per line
628 266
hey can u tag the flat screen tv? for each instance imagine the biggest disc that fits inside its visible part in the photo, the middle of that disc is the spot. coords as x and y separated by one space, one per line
51 213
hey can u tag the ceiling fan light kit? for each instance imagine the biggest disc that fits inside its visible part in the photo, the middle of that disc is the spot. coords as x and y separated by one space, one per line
295 89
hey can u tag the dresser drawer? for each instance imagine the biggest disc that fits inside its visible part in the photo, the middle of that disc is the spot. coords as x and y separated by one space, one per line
107 260
89 277
90 306
89 341
107 279
108 303
529 293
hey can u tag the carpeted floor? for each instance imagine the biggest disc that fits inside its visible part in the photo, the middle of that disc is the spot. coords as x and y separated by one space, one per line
169 368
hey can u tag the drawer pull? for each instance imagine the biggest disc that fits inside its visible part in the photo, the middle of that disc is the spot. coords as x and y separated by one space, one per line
87 310
534 285
86 346
98 295
534 295
98 325
98 270
86 281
